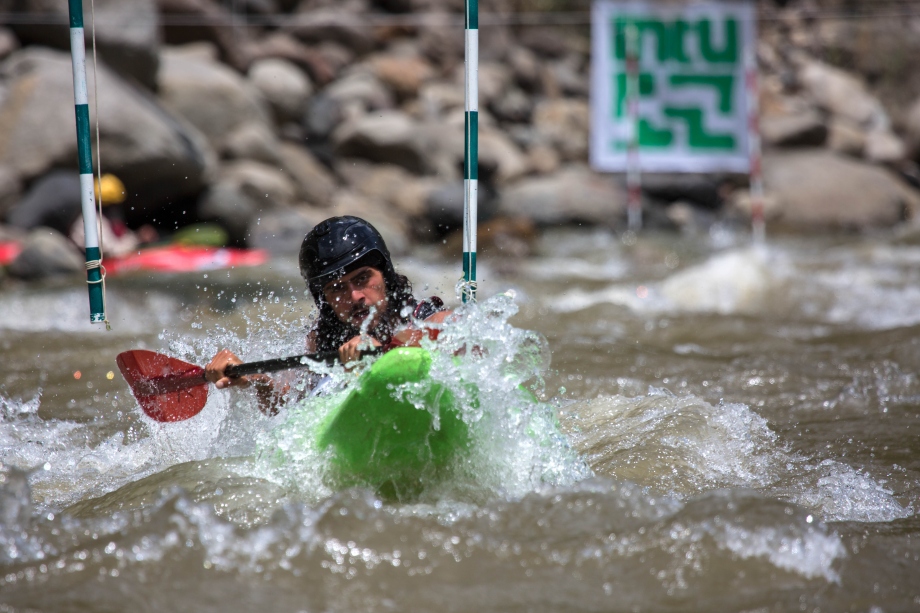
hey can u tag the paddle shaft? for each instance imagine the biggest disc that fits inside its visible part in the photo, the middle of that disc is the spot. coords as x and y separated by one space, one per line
195 377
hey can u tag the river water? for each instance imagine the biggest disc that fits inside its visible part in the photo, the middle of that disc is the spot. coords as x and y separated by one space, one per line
737 431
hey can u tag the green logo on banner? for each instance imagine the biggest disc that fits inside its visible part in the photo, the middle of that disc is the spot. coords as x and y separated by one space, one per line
691 69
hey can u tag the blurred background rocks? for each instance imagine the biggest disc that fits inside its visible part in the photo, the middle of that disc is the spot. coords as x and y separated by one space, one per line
267 120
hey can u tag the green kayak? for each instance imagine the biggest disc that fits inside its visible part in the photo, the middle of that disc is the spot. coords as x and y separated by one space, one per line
396 430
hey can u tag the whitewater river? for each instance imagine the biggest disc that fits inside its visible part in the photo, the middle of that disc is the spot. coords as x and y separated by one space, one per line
717 429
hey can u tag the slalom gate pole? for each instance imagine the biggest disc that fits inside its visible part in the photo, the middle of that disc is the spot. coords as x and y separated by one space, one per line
85 157
470 150
754 147
633 164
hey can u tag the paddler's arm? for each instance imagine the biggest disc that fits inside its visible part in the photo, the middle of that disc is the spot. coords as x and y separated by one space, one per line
270 399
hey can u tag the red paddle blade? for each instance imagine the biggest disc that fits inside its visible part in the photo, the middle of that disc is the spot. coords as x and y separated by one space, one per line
166 388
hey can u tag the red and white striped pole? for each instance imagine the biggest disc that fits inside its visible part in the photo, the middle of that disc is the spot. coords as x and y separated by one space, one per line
754 148
633 164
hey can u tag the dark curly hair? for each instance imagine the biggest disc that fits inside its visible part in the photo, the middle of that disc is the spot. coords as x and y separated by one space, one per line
331 332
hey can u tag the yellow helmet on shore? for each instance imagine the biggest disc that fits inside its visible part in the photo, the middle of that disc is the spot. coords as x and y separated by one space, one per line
110 189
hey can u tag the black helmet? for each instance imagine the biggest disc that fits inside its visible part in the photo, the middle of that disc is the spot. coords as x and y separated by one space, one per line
339 245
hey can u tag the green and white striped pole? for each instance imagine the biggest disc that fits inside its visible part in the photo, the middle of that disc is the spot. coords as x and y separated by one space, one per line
470 150
85 155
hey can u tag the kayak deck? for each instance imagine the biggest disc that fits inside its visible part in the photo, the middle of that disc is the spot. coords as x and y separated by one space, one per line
396 430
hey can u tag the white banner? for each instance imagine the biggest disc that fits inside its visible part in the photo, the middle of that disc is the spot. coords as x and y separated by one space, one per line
692 101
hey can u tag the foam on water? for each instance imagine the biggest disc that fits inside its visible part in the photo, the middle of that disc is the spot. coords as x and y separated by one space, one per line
876 289
626 548
65 310
685 446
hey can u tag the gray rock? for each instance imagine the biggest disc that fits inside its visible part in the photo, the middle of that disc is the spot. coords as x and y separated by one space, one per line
884 147
284 46
570 77
211 23
494 80
543 40
806 129
573 194
47 253
564 123
500 157
227 204
841 94
283 85
526 67
816 189
846 137
268 186
333 24
8 43
10 189
322 116
208 94
281 232
385 136
912 129
514 105
363 88
390 184
404 72
127 34
252 141
701 189
445 206
315 183
158 157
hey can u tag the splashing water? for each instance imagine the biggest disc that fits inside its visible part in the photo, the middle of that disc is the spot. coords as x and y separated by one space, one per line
489 368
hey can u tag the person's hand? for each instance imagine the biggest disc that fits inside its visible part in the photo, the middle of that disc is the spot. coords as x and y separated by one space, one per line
214 371
349 351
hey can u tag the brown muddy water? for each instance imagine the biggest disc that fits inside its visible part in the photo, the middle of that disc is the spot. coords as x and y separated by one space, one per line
737 431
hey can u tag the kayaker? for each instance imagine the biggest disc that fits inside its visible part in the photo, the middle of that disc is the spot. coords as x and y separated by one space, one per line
361 298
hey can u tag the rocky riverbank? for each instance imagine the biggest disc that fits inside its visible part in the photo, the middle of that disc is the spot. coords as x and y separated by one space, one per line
266 122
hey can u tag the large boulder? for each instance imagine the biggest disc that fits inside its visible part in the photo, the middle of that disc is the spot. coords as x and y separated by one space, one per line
208 21
385 136
573 194
841 94
314 182
46 253
403 72
337 24
913 129
268 186
500 157
160 159
214 98
388 183
805 129
284 46
227 204
283 84
564 123
816 189
127 33
282 231
360 89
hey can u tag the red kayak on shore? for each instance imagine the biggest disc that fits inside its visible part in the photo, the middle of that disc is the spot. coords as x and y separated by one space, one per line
185 258
9 250
165 258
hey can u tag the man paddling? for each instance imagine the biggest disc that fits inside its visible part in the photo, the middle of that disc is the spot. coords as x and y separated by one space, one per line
361 298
